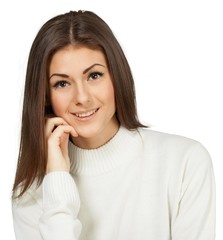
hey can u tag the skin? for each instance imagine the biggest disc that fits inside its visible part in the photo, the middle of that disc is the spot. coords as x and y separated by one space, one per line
82 98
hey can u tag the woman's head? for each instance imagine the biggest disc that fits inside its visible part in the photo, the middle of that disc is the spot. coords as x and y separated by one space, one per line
80 29
82 93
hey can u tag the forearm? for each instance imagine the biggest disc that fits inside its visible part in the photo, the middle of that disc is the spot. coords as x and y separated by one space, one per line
49 212
61 205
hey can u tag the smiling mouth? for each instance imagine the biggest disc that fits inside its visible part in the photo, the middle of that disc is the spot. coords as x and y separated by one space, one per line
86 114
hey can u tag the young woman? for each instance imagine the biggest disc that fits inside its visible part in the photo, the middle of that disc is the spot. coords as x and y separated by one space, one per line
87 168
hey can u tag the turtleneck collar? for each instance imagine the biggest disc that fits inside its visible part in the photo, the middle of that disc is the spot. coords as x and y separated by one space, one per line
119 150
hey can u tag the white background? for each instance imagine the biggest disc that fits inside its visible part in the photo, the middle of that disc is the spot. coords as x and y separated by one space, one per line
175 50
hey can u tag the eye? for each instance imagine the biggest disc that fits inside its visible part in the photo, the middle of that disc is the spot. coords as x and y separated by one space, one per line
61 84
95 75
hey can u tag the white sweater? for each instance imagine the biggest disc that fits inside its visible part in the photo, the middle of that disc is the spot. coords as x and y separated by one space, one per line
141 185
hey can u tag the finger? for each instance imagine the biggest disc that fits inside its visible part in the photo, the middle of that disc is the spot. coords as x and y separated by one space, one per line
51 123
61 133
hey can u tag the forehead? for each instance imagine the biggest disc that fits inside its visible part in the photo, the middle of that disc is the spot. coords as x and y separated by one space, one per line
77 56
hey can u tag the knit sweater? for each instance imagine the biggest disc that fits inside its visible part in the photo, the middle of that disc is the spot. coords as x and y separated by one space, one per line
141 185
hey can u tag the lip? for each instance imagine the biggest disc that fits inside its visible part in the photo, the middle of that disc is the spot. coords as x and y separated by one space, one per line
83 116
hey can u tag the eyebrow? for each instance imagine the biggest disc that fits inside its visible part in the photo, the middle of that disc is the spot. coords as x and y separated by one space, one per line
89 68
84 72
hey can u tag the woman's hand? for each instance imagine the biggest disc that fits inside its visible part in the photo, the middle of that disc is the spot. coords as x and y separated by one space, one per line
57 137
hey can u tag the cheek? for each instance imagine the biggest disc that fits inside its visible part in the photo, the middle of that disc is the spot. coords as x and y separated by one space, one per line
59 104
109 97
111 100
111 94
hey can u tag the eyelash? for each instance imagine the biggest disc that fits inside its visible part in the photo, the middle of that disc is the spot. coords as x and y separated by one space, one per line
97 74
61 84
92 76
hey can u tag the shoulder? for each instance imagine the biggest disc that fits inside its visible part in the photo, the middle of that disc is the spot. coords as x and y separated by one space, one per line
164 138
161 139
174 147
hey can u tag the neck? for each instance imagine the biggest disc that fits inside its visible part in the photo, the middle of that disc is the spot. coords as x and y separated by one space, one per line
121 149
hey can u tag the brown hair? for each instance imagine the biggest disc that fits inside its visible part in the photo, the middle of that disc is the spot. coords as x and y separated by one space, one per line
80 28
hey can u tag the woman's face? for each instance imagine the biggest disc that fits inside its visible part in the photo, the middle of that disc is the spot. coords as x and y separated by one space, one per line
82 93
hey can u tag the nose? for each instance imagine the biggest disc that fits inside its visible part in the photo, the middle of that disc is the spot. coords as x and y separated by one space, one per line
81 94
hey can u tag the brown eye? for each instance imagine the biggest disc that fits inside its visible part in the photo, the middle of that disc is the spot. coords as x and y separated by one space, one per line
61 84
95 75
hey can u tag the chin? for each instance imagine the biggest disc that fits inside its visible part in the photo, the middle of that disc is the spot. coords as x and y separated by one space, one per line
88 132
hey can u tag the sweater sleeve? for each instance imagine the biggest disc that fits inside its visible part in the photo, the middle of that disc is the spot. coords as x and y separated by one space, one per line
56 217
195 217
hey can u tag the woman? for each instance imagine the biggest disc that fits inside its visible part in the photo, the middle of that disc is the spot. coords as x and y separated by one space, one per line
88 169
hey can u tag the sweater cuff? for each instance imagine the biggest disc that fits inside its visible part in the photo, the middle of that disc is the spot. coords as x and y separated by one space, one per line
59 188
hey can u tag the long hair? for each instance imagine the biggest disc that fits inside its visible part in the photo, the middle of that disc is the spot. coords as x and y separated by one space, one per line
82 28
